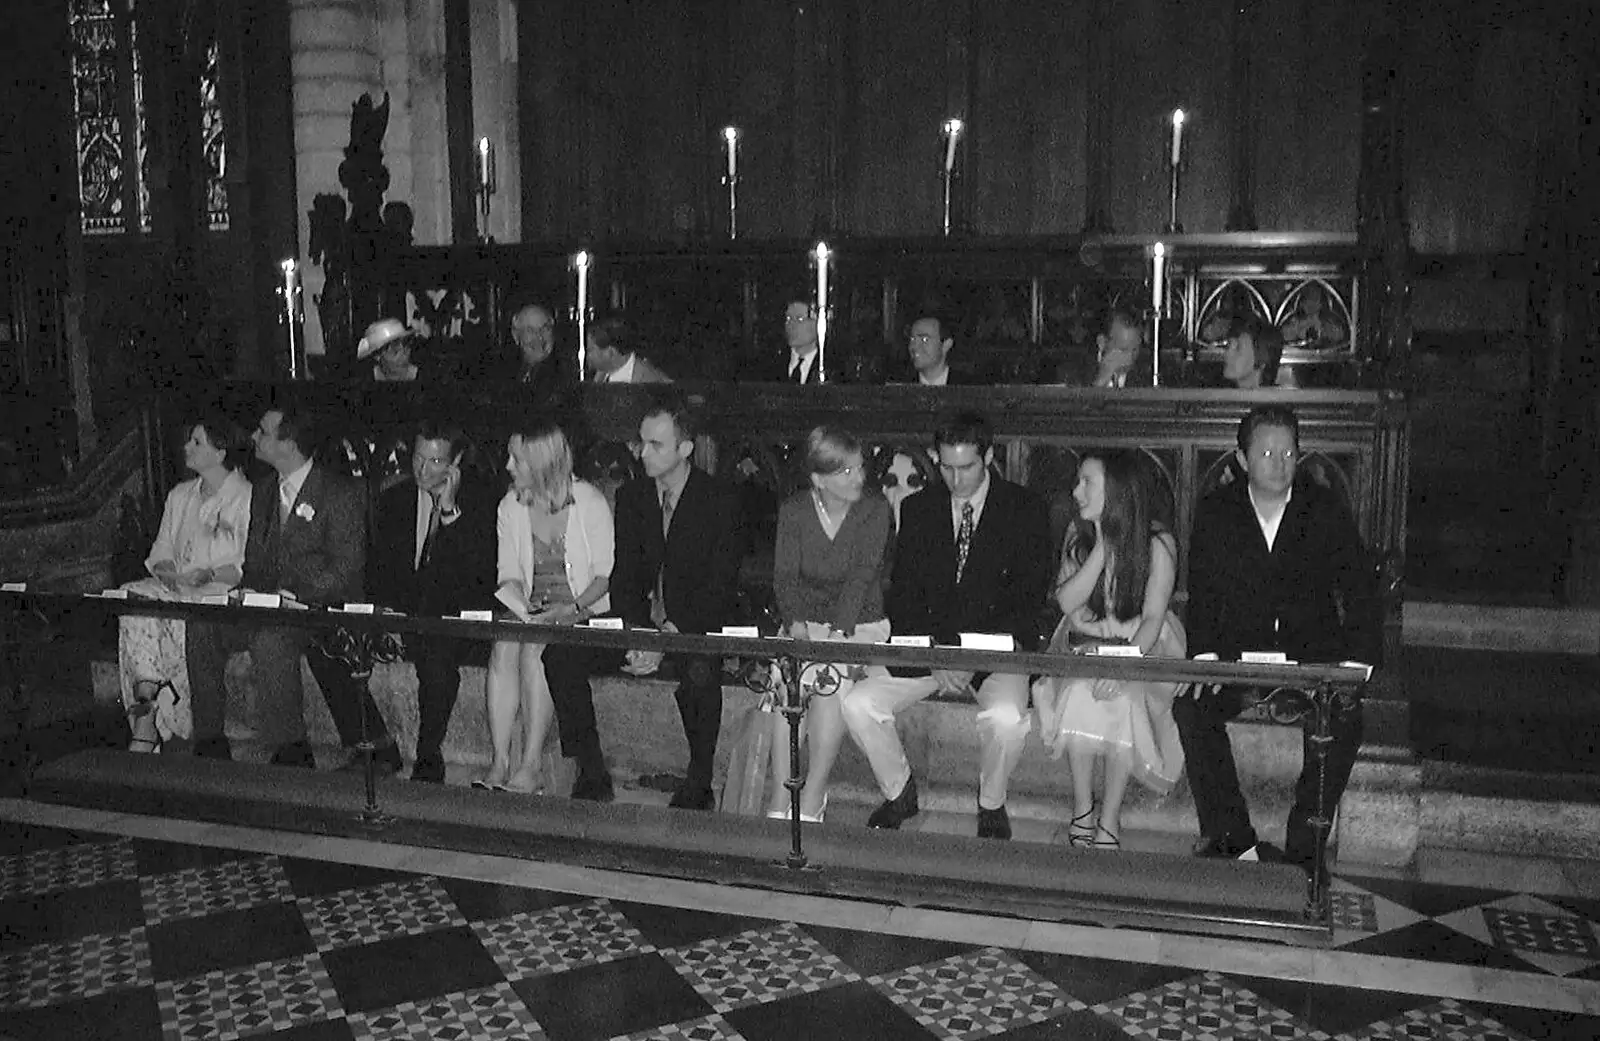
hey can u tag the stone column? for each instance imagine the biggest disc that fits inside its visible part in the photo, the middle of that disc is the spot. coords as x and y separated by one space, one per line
335 60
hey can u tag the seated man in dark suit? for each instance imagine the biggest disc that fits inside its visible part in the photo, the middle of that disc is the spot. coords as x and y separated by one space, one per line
802 362
548 374
680 538
1276 564
308 534
929 345
972 556
433 553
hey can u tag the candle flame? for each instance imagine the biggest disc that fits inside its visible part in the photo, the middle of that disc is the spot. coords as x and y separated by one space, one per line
731 134
822 252
1161 249
483 146
953 126
1178 117
581 259
288 266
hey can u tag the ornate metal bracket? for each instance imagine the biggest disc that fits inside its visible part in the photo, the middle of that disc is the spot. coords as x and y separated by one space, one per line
792 683
359 650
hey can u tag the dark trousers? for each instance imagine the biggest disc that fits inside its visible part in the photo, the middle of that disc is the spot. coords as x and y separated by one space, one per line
699 697
275 667
438 660
567 669
1214 776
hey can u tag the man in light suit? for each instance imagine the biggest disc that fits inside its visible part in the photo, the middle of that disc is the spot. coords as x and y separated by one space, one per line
974 556
308 532
613 358
1275 564
433 553
680 538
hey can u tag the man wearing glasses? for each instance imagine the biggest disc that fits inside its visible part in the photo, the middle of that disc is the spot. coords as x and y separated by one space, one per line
1276 564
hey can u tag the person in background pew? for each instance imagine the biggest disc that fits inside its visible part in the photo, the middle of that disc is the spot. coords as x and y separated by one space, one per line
198 551
388 343
547 373
929 344
970 557
613 358
680 538
801 363
828 571
1122 360
308 536
1251 361
1276 564
432 538
556 550
1118 568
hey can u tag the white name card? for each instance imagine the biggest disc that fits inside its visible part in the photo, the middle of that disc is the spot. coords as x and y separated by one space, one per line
358 609
113 594
747 631
910 641
263 600
215 599
988 642
1358 665
477 616
1118 650
13 587
1265 658
605 623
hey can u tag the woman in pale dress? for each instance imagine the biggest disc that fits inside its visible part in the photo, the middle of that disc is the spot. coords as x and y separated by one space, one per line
198 552
1115 584
556 549
832 548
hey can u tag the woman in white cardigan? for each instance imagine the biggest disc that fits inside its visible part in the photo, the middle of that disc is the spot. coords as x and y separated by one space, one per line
556 548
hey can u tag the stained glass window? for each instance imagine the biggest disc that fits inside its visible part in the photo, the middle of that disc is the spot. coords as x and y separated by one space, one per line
105 69
97 81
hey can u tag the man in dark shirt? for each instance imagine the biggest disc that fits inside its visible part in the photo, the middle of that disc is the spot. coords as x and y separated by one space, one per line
1276 564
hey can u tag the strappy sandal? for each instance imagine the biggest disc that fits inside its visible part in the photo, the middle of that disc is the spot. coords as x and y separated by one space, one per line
1109 842
1080 832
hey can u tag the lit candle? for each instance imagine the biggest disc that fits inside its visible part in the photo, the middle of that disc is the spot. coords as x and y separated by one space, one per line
952 131
1177 136
1158 278
291 284
822 255
730 138
581 261
291 314
486 166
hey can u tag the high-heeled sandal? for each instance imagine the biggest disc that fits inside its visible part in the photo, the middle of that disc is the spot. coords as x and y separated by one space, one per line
1109 842
1080 832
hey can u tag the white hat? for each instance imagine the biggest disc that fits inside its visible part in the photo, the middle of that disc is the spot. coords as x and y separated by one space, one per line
381 334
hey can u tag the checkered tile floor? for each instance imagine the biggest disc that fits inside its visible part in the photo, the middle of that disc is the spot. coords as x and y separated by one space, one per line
106 937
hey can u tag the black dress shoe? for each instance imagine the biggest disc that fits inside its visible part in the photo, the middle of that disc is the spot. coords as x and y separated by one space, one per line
693 797
994 824
429 769
895 812
295 753
385 760
595 788
1225 847
213 748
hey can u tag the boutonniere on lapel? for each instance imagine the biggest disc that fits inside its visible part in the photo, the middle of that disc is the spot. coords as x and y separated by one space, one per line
305 512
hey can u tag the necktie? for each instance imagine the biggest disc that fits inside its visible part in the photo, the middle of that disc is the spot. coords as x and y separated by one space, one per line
963 540
666 511
427 539
285 502
798 373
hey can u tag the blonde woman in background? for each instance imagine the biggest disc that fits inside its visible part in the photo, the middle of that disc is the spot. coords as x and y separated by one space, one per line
556 548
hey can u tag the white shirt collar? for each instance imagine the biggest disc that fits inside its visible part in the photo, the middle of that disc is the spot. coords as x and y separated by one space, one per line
805 361
978 499
294 480
1270 522
941 380
623 373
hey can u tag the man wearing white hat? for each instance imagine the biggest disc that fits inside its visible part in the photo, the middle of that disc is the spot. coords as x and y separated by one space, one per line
389 342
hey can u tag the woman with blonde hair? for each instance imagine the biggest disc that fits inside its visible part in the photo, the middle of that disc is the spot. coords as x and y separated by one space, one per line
556 548
828 571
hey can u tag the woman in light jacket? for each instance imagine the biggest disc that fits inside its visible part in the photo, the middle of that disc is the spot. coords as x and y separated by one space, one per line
198 552
556 548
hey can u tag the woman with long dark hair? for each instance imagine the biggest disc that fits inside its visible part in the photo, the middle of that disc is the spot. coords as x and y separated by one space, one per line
1118 567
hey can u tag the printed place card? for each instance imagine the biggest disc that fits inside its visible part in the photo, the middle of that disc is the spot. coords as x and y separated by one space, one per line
113 594
477 616
605 623
263 600
13 587
988 642
1118 650
215 599
1357 665
747 631
1265 658
358 609
910 641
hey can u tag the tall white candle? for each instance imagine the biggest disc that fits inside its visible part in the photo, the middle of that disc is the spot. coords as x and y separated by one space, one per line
486 166
580 261
1158 278
1177 136
952 131
822 254
730 137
